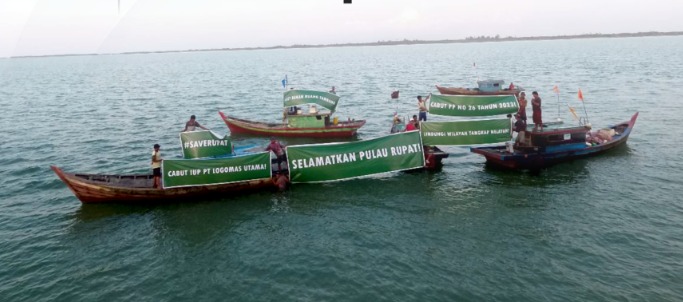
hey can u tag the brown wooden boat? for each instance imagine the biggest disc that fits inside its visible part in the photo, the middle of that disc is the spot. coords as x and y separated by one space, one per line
95 188
486 87
434 157
306 125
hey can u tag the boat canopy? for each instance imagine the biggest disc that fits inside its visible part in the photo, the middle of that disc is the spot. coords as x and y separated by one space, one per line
490 85
299 97
472 105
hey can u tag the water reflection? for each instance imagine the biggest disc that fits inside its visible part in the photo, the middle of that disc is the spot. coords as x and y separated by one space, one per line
190 222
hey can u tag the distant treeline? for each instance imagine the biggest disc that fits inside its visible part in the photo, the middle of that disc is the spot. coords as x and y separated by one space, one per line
564 37
471 39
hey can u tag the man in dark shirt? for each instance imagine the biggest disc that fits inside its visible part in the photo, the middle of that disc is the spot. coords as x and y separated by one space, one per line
520 128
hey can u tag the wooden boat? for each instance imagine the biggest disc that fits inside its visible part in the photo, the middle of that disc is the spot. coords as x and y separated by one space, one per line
296 123
552 146
434 157
487 87
95 188
308 125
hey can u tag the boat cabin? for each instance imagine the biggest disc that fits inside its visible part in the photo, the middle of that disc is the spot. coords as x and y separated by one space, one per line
554 139
490 85
310 120
296 118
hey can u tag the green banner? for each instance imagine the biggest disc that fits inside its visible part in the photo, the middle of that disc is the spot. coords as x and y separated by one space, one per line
198 144
466 132
299 97
199 172
337 161
472 105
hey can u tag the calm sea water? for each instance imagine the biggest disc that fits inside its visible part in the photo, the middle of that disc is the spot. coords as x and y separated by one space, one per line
603 229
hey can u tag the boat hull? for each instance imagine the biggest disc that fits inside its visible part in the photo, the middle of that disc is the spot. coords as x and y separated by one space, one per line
90 188
499 157
434 157
341 130
468 91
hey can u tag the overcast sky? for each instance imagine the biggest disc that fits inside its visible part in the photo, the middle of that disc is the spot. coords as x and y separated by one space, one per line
42 27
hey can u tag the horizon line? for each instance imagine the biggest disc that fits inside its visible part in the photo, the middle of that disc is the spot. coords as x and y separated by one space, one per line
469 39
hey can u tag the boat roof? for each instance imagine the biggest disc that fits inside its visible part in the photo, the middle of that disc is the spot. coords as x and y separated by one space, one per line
490 82
553 129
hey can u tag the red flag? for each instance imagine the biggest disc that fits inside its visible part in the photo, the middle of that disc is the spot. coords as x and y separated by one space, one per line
394 95
556 90
580 95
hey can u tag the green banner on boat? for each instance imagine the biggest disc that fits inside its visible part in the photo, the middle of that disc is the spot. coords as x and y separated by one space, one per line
466 132
336 161
300 97
198 144
202 172
472 105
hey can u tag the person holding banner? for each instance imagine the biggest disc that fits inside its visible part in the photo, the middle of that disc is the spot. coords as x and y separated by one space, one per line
279 151
422 107
536 108
192 124
413 124
156 166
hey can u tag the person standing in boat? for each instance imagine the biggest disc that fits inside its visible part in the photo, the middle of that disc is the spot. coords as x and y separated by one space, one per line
192 124
411 126
333 90
279 151
414 124
536 108
522 106
520 128
156 166
422 107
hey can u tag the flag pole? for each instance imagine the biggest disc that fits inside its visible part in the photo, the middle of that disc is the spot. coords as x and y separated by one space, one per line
584 105
558 106
476 72
557 94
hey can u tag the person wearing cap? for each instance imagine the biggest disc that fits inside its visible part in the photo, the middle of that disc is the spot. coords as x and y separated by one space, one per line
278 149
192 124
156 166
413 124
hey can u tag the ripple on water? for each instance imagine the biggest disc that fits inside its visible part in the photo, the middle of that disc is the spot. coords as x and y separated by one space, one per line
605 228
